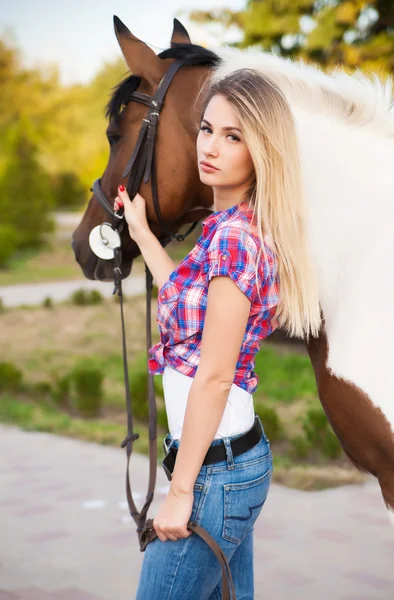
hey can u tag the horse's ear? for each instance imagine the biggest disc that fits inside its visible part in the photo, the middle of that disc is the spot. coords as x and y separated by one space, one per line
140 59
179 34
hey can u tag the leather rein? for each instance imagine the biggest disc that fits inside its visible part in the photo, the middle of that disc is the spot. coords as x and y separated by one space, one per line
142 165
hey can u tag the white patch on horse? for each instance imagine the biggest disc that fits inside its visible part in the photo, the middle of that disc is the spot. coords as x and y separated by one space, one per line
391 516
345 127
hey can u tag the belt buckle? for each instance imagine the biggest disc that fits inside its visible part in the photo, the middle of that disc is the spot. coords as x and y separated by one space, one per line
168 463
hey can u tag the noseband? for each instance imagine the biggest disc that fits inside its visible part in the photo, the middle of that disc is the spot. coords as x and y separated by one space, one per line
142 164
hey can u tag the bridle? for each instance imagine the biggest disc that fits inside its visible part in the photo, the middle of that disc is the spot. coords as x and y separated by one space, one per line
142 165
142 162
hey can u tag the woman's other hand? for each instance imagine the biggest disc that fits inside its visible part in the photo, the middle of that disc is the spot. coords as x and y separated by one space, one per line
134 213
173 516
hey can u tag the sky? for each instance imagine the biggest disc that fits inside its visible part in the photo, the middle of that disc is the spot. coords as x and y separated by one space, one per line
79 34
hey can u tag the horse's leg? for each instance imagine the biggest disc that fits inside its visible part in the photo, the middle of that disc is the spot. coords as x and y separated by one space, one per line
362 429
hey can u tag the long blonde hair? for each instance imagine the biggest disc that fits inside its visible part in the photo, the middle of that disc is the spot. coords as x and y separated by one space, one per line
278 194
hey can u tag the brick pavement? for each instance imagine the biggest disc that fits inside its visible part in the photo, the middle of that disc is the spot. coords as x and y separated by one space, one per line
66 534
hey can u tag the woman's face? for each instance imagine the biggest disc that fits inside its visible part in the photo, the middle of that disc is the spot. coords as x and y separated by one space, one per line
220 142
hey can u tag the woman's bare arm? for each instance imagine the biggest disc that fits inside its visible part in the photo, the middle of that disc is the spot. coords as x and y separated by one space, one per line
225 323
156 257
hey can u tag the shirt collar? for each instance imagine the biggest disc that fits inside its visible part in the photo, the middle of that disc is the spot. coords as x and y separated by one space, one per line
222 215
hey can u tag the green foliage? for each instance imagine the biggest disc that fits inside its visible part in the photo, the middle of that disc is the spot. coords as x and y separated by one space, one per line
84 297
61 391
300 446
10 377
25 192
8 243
286 377
48 302
69 191
270 420
351 33
87 390
319 433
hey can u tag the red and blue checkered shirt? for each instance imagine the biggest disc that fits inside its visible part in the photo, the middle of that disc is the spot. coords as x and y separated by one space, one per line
228 245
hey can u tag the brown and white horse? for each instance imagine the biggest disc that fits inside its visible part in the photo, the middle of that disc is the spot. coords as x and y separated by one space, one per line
345 125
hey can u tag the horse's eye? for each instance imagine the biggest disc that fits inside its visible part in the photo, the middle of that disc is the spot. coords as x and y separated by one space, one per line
113 138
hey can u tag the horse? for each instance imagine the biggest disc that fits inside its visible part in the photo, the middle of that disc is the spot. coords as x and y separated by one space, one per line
345 126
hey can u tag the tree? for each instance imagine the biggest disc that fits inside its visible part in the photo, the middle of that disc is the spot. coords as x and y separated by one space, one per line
26 198
351 33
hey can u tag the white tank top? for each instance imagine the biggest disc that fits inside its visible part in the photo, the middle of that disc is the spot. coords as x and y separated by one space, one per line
238 414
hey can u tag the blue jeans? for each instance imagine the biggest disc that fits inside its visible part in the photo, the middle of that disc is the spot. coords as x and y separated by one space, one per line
228 498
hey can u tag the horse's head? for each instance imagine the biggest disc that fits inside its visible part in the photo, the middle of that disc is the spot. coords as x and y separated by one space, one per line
182 198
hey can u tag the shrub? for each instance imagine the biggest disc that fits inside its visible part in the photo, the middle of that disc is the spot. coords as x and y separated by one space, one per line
271 421
95 297
139 387
10 377
2 306
162 418
8 243
300 446
319 433
61 391
87 390
48 302
84 297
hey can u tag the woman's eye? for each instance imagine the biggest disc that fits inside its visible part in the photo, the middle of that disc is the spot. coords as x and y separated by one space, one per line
113 138
204 127
234 136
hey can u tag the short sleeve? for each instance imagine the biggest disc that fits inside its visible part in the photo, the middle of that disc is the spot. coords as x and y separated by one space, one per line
233 252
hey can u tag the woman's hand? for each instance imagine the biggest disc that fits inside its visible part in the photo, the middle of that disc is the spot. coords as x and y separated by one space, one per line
173 516
134 213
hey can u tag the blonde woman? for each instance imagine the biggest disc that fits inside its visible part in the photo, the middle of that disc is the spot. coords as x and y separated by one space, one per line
248 273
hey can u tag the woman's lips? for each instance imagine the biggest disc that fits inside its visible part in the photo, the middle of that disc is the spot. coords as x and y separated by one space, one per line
207 168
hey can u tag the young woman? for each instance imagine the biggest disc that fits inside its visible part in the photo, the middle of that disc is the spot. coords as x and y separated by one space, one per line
248 273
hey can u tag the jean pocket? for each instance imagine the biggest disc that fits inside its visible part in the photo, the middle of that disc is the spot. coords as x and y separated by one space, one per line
242 505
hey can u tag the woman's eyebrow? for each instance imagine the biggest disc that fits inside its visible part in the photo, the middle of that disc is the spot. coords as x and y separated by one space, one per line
224 128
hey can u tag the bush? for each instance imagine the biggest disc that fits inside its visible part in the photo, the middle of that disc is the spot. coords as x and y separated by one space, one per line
319 433
271 421
61 391
70 194
162 418
84 297
48 302
87 390
2 306
8 243
139 388
10 377
300 446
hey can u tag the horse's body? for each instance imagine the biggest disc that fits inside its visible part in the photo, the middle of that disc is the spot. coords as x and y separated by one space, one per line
345 131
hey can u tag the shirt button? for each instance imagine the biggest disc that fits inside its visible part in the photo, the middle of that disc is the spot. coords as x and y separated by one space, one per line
224 256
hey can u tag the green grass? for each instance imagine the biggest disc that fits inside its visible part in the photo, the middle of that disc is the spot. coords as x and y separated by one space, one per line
284 378
32 416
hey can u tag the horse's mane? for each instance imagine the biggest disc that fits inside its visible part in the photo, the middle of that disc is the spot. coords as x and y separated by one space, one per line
189 54
354 98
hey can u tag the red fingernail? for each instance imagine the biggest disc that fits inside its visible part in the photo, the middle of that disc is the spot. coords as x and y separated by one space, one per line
122 188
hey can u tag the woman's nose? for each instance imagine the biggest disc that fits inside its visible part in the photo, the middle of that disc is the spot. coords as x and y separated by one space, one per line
211 147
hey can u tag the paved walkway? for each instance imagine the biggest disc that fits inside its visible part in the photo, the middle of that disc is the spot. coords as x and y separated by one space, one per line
35 293
66 533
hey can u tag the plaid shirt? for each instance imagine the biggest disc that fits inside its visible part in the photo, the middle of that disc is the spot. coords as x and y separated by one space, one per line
228 245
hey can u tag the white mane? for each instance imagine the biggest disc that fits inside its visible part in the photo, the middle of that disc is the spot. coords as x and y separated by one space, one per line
345 126
355 98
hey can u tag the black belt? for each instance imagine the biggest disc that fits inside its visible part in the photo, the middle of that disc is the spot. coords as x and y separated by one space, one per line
217 453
